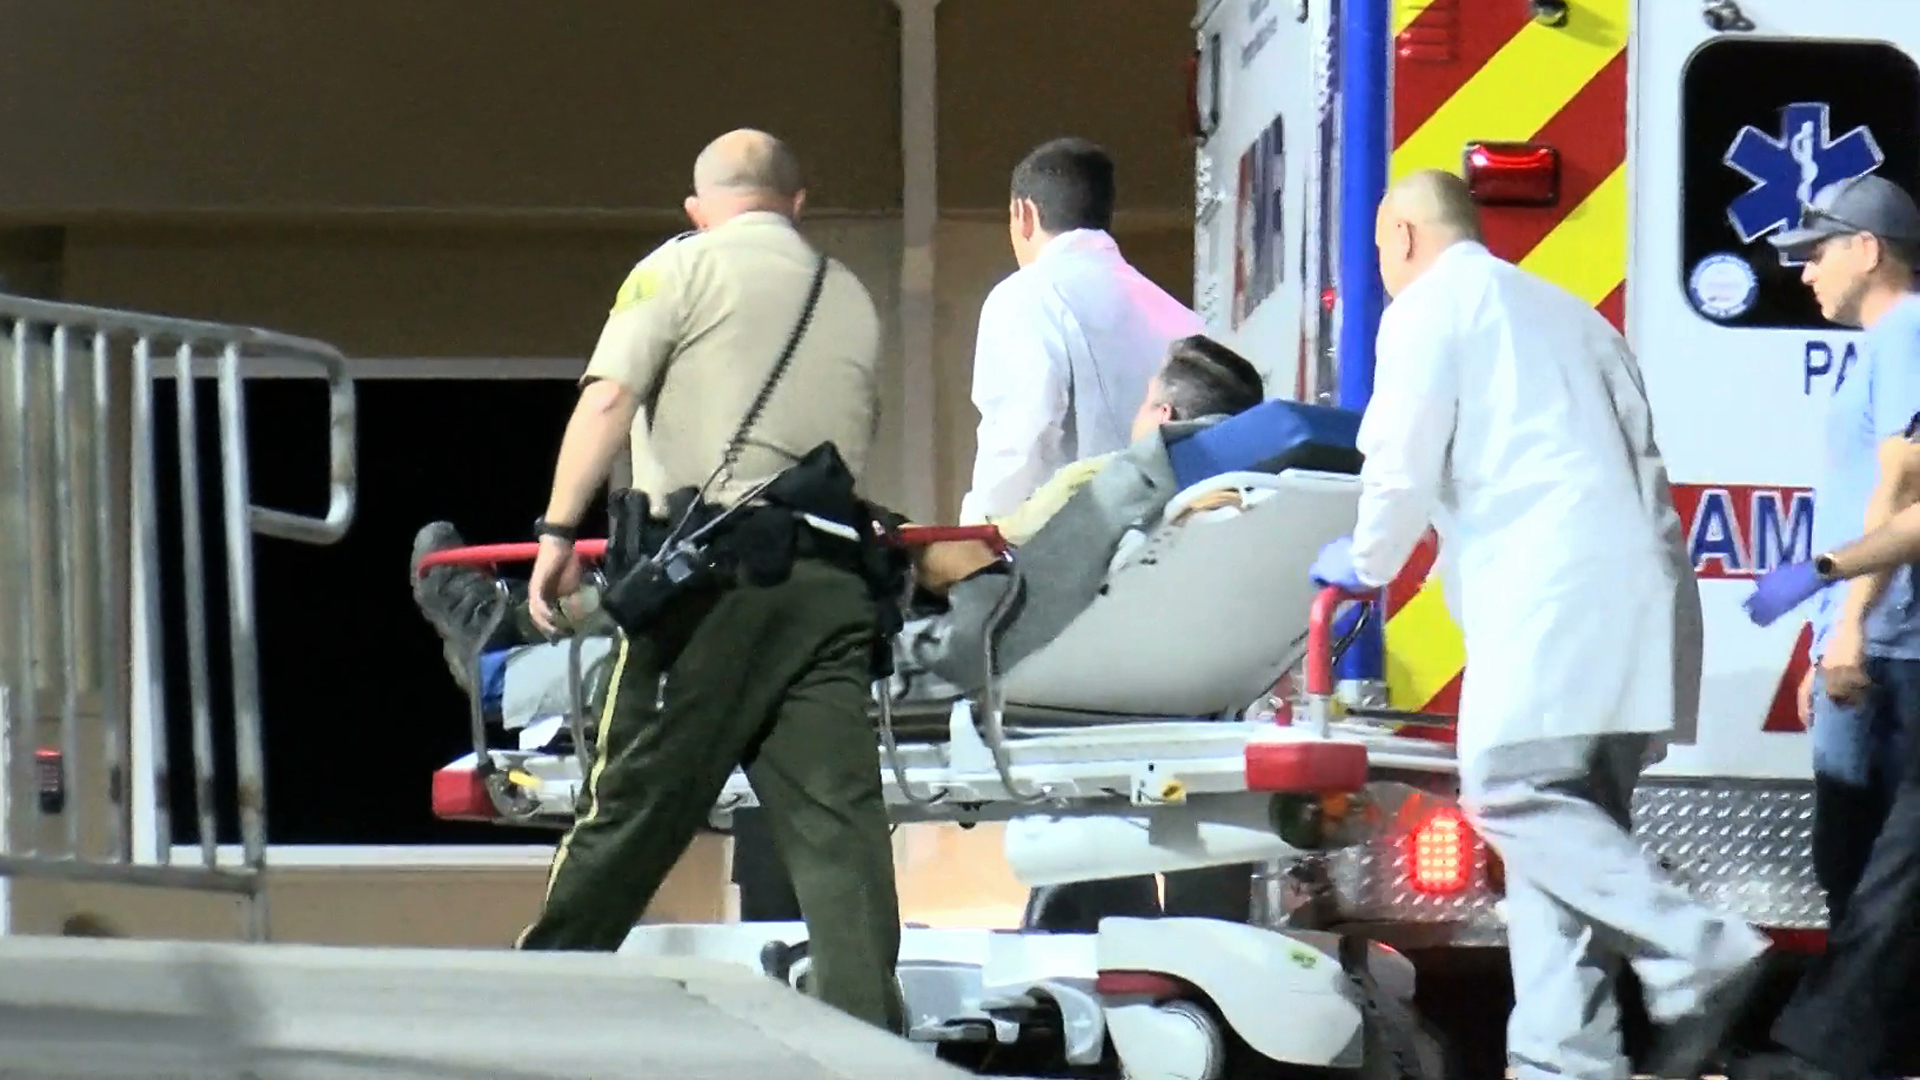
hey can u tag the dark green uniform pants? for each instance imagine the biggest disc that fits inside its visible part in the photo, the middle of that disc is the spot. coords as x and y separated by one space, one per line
775 679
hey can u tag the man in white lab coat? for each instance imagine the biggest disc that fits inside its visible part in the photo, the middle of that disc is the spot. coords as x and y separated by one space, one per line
1508 414
1068 342
1066 348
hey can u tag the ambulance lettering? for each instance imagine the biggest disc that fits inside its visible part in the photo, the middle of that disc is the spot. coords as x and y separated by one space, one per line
1820 362
1738 531
1742 530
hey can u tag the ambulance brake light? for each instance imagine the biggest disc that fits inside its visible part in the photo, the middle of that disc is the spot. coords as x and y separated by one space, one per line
1440 854
1513 174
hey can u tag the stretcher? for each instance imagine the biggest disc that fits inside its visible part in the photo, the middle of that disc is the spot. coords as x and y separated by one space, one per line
1159 732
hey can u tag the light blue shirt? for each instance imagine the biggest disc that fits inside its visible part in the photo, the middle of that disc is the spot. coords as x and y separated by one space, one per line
1875 399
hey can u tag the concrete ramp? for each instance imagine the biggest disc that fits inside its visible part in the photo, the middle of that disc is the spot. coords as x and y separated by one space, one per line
99 1008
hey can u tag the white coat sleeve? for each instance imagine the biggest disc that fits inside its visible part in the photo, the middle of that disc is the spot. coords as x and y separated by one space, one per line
1021 383
1405 434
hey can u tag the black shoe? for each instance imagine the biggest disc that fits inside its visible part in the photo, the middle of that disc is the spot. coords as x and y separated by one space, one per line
1690 1043
458 601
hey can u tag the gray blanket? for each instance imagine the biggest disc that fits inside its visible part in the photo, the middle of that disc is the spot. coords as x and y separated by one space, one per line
1057 573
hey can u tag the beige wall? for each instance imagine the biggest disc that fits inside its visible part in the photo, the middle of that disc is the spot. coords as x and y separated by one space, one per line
138 106
947 876
531 292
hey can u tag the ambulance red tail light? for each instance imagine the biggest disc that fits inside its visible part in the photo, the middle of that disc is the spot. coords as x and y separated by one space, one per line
1440 854
1513 174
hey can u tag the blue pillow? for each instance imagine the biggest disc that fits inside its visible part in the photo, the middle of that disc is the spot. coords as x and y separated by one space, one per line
1269 437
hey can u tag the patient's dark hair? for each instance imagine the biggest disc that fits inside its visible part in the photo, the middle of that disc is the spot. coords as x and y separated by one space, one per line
1205 378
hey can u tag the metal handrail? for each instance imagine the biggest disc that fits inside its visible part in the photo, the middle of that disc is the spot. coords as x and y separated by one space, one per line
61 335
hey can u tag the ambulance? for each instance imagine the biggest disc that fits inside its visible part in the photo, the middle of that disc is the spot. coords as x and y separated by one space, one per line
1638 153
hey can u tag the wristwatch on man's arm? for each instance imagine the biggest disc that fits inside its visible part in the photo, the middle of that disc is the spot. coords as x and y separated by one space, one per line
1825 568
566 534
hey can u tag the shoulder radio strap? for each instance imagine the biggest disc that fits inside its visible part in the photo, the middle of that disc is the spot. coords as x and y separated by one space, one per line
738 444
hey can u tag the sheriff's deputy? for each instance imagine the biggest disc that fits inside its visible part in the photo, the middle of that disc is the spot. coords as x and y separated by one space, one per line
770 674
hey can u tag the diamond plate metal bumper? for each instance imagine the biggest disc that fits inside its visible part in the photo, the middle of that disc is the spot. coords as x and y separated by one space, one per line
1744 847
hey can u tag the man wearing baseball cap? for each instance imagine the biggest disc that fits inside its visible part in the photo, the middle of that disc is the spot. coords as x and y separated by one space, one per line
1860 240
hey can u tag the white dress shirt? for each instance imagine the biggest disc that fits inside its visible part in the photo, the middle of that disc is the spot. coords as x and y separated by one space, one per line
1066 347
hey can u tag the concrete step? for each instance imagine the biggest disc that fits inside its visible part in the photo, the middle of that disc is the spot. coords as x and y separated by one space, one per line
106 1008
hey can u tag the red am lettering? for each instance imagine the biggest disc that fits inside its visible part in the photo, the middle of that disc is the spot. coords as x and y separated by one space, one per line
1742 530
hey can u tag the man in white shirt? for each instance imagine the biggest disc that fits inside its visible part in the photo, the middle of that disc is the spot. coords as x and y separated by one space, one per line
1066 348
1509 416
1068 342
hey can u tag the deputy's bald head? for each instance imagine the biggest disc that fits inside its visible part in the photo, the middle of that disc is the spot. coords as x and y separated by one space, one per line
742 172
1422 214
746 162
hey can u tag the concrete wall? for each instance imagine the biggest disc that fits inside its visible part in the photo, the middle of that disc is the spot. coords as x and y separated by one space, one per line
472 178
541 292
273 105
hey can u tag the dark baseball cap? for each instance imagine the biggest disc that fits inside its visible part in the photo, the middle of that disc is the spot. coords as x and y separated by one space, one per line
1865 204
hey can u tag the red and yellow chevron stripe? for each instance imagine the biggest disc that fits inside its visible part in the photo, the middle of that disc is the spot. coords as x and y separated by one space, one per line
1469 71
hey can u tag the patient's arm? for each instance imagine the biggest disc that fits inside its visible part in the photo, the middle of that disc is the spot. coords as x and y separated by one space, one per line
940 566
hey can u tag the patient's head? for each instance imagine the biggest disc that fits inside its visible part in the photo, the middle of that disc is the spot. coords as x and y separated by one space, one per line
1201 377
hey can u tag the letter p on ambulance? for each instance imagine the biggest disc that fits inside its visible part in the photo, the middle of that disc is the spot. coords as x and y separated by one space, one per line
1819 362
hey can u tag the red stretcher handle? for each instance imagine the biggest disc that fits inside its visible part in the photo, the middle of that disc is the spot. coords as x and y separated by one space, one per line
592 550
491 554
1326 604
924 535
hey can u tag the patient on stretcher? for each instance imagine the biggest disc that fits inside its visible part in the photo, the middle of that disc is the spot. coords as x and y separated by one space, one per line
523 678
1201 380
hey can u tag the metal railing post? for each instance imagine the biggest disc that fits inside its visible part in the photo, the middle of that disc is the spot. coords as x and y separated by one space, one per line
64 595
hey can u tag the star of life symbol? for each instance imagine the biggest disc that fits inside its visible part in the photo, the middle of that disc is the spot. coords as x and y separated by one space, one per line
1790 171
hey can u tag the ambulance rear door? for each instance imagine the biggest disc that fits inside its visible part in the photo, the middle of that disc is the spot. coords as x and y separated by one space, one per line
1740 111
1255 128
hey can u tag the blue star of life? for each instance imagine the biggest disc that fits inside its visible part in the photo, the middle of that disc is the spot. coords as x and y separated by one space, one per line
1789 171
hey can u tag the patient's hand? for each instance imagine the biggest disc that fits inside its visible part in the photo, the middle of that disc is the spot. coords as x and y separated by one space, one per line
938 567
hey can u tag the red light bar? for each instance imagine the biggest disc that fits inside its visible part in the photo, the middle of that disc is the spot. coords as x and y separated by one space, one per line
1440 854
1513 174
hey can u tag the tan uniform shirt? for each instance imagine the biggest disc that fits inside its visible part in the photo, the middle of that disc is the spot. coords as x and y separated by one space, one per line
696 330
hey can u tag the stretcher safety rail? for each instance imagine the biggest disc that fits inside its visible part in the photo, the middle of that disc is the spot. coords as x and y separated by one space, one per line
80 524
980 772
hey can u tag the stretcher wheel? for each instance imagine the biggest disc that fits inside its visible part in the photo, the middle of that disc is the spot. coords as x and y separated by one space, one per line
777 959
1179 1039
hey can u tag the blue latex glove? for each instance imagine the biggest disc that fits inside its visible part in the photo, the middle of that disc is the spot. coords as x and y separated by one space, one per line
1334 566
1780 590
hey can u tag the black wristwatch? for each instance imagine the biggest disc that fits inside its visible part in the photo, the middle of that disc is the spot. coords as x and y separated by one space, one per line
1824 568
544 528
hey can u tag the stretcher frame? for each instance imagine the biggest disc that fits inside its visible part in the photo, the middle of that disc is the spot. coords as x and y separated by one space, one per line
1118 990
982 772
